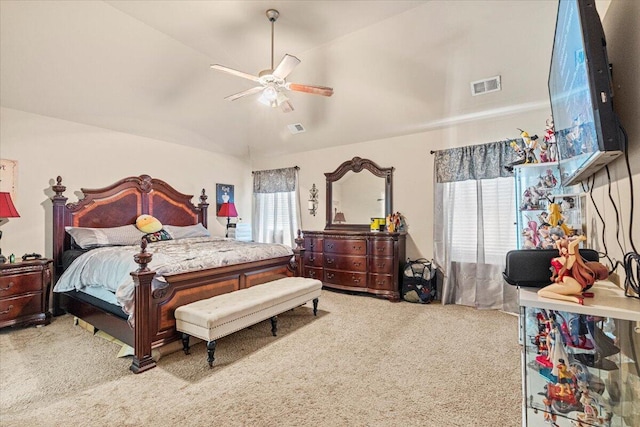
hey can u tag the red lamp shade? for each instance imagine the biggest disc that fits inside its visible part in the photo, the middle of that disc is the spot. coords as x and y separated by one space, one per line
228 210
7 209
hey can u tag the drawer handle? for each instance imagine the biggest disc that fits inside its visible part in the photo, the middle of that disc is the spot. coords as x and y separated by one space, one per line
381 249
330 245
312 259
8 287
355 279
6 311
312 274
381 264
330 275
357 247
311 246
380 282
329 260
357 263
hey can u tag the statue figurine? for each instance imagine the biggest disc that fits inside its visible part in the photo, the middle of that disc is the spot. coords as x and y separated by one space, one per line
572 276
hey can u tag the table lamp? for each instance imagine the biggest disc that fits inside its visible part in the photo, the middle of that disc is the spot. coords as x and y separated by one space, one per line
228 209
7 210
339 216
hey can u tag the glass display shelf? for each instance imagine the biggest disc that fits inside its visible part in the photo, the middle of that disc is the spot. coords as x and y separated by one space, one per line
580 363
537 189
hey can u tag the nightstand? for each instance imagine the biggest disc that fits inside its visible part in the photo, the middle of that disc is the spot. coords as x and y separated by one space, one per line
24 293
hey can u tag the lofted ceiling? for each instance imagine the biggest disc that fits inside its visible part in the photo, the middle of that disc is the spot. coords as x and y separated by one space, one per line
397 67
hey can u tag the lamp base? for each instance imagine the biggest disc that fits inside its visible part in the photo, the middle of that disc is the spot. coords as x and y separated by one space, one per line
3 259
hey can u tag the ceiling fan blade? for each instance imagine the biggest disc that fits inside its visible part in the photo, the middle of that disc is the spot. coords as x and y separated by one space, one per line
235 72
244 93
316 90
286 66
286 106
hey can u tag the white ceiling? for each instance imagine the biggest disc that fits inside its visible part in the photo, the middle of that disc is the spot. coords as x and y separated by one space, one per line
397 67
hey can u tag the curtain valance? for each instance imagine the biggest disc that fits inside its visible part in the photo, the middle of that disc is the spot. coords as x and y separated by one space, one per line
484 161
275 180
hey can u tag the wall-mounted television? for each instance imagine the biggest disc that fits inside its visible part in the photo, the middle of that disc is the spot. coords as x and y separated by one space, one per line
588 133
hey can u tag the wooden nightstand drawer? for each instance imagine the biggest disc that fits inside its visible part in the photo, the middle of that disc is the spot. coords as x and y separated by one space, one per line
382 265
11 308
20 283
24 293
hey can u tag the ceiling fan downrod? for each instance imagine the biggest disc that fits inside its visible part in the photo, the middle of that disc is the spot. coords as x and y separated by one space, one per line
273 15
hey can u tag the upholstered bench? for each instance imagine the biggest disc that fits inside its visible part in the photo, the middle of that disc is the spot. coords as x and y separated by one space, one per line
216 317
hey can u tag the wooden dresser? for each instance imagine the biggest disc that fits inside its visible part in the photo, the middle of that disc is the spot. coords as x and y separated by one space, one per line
361 261
24 293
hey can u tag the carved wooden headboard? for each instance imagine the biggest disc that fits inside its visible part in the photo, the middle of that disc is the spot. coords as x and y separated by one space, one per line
120 204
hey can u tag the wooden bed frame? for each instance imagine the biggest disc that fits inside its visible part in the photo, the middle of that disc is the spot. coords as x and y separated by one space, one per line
120 204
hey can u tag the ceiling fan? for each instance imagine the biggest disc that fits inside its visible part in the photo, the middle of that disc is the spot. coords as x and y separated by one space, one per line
273 81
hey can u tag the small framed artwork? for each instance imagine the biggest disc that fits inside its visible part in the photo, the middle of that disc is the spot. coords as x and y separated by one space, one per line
224 194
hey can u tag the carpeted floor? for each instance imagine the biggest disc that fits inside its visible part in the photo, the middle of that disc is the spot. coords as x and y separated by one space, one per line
362 362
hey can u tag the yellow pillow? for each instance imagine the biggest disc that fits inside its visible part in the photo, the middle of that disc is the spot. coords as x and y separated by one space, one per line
148 224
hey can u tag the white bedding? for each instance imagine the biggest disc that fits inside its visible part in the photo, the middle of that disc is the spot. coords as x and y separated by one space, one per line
110 267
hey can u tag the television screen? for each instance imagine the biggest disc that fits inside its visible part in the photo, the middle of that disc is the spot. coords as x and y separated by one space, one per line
587 130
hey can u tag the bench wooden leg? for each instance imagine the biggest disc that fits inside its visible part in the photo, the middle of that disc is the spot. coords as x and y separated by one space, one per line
185 343
274 325
315 306
211 348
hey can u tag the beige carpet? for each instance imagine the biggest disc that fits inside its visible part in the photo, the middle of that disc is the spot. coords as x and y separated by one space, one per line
362 362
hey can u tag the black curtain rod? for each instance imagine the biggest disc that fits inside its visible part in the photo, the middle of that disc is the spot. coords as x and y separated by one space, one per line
295 167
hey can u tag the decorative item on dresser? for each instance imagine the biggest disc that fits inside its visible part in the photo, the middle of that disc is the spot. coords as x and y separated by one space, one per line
7 210
24 293
354 260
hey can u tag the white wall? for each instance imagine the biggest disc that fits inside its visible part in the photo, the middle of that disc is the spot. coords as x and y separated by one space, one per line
92 157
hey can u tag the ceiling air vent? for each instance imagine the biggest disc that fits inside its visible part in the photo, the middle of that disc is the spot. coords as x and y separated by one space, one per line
296 128
480 87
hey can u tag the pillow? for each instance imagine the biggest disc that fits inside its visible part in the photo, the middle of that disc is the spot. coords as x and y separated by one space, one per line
87 238
148 224
157 236
181 232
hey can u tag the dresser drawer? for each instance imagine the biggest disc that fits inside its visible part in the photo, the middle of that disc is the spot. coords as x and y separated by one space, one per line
13 284
382 265
11 308
314 273
345 262
312 244
313 259
347 246
382 282
345 278
382 247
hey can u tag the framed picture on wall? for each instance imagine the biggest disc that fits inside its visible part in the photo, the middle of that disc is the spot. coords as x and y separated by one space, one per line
224 194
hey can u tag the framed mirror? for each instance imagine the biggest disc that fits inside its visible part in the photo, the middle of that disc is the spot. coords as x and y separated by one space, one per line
357 191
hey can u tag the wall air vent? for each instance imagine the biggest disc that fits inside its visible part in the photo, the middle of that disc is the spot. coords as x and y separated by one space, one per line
480 87
296 128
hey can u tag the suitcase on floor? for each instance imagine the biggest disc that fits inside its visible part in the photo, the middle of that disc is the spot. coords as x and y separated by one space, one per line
532 267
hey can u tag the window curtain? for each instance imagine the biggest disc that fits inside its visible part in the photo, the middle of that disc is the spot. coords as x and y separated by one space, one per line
276 206
474 224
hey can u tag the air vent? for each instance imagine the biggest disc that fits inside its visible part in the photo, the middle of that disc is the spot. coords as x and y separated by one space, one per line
296 128
481 87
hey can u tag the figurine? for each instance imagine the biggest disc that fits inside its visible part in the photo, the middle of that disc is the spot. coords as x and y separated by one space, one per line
530 145
548 147
571 274
556 219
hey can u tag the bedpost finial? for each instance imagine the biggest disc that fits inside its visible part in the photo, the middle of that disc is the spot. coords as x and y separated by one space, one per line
58 188
203 197
143 258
